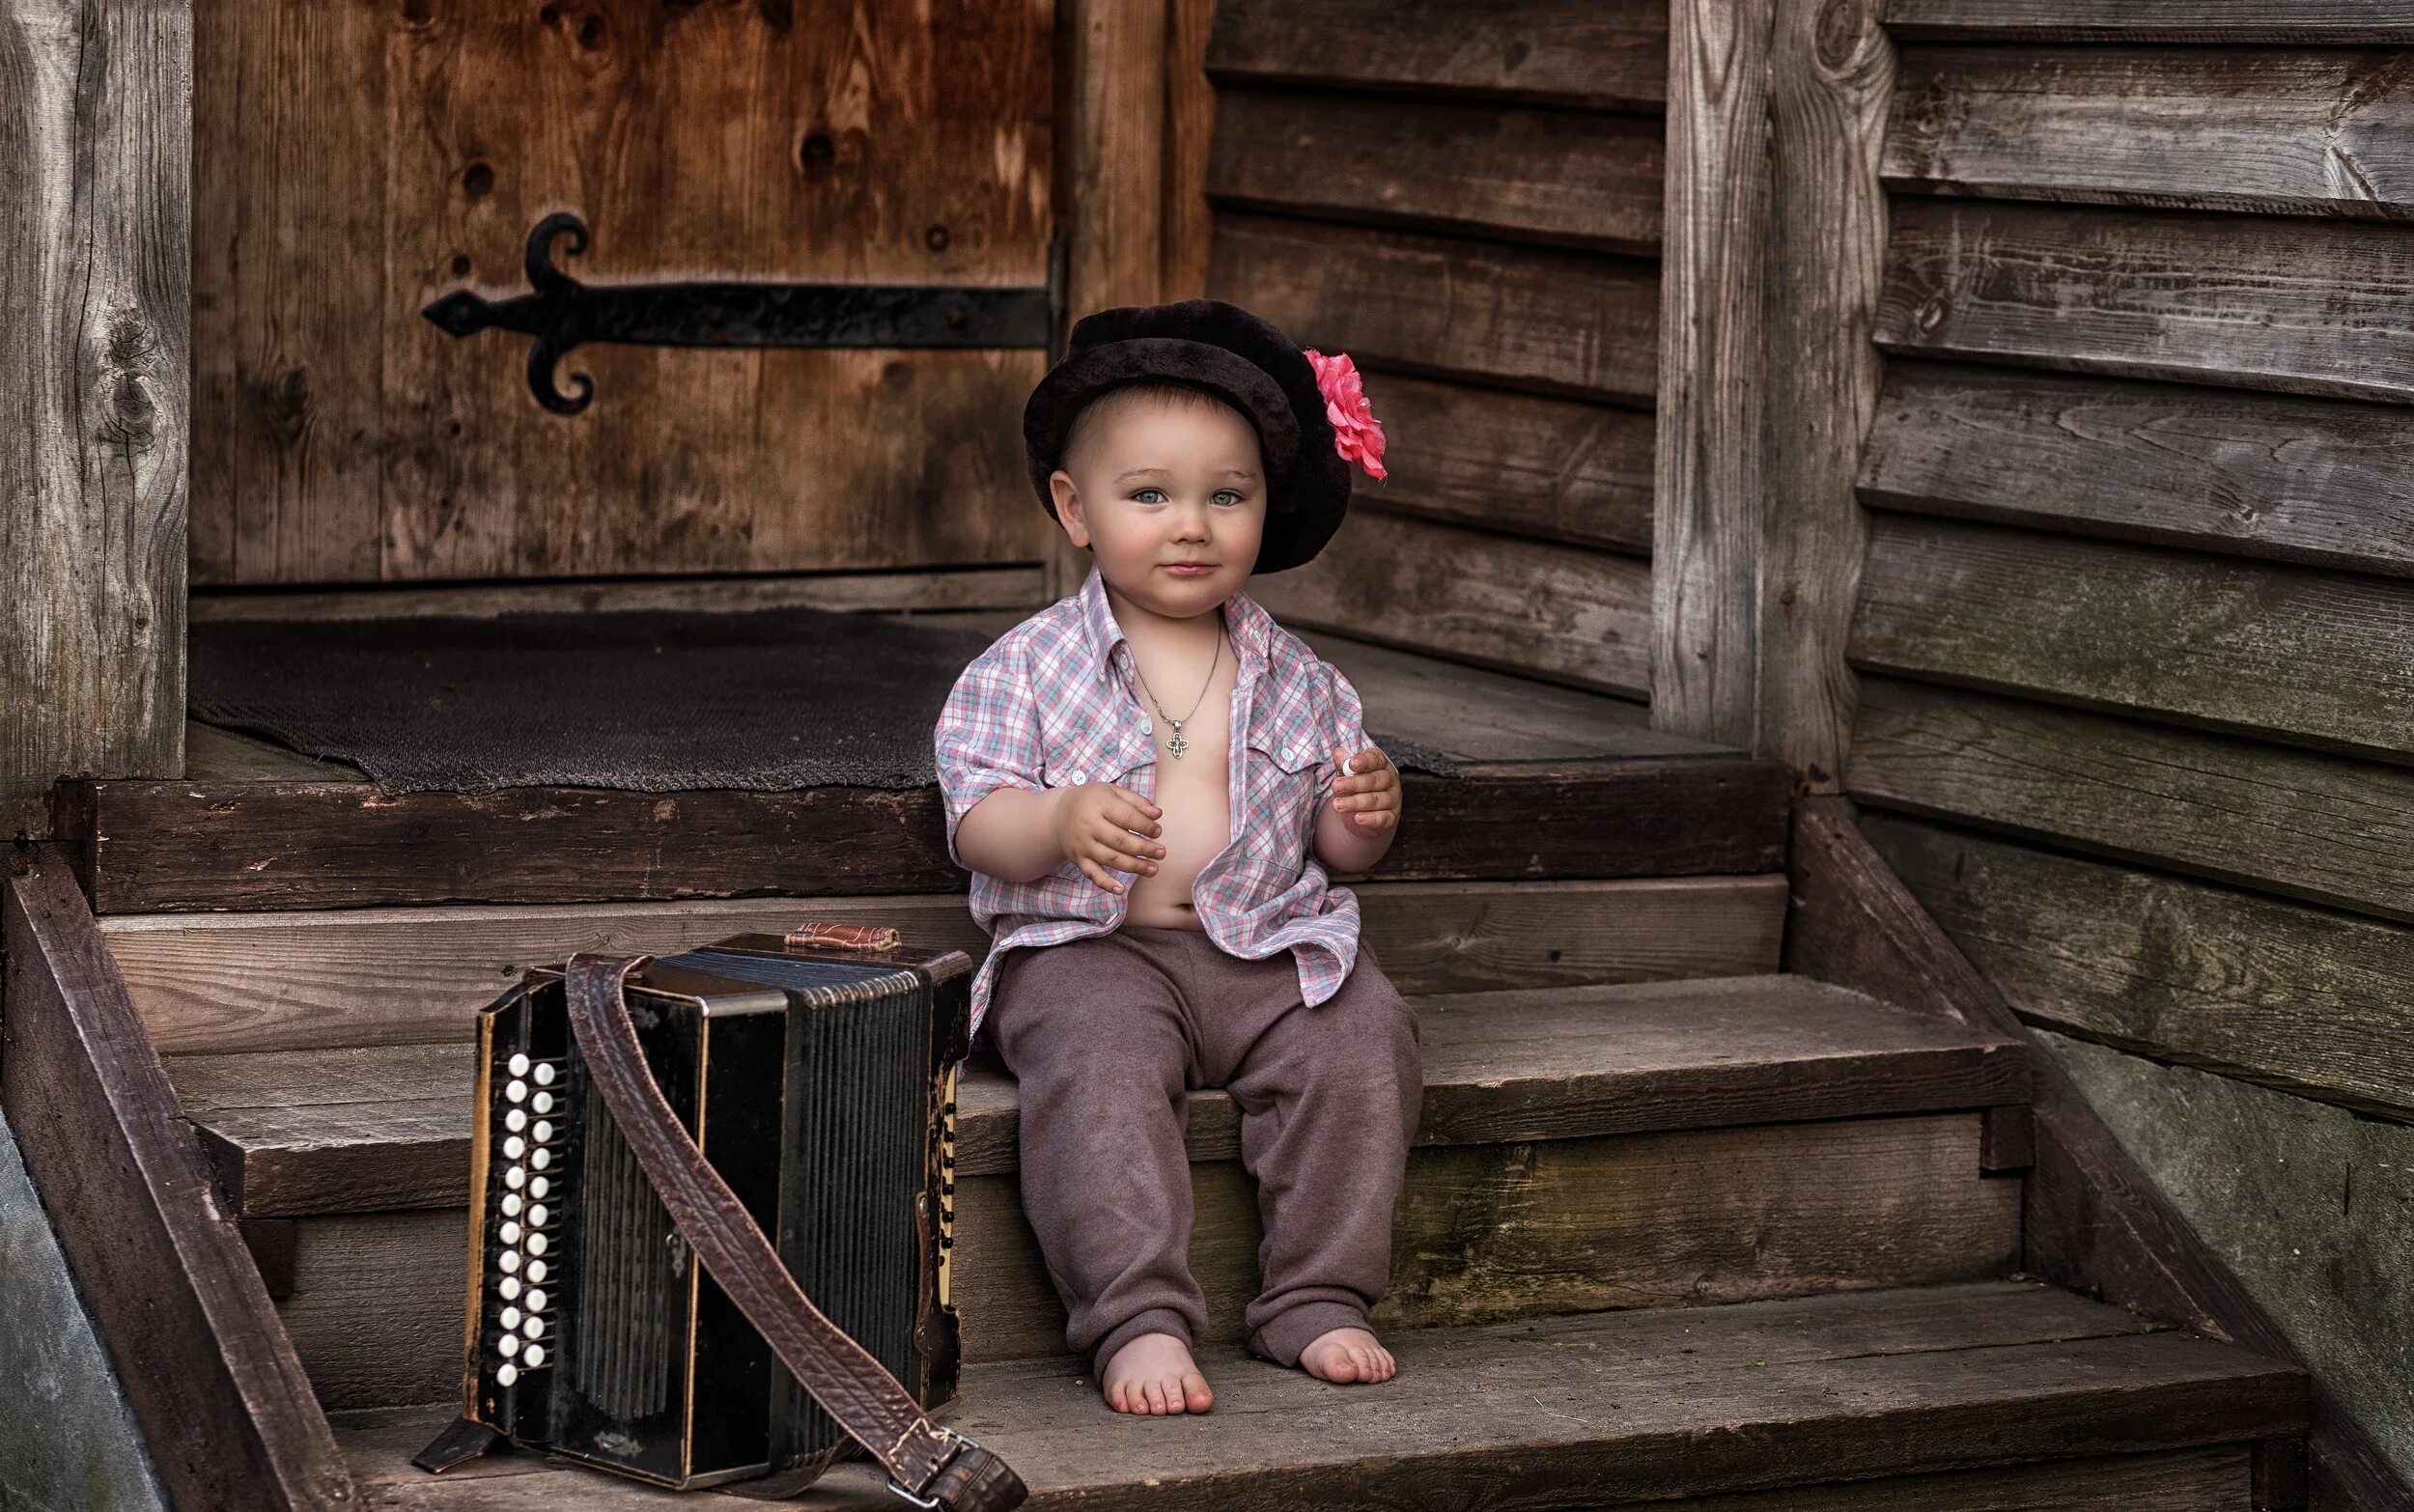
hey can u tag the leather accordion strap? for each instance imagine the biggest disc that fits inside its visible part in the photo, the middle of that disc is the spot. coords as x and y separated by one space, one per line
933 1464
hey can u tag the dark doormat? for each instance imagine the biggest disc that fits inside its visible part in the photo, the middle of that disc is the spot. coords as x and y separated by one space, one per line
649 702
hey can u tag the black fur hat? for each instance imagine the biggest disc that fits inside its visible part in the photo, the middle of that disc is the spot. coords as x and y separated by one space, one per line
1241 359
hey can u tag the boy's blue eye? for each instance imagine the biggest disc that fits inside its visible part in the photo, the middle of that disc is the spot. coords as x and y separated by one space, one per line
1142 494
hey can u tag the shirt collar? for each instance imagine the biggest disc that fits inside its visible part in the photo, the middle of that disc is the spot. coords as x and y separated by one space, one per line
1249 624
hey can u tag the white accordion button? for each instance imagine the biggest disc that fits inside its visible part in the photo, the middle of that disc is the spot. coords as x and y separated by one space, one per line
541 1159
538 1187
515 1176
545 1075
511 1206
515 1147
537 1215
536 1271
536 1301
511 1319
536 1355
507 1374
510 1233
509 1287
508 1344
543 1102
515 1121
545 1131
516 1090
509 1261
519 1065
534 1327
536 1244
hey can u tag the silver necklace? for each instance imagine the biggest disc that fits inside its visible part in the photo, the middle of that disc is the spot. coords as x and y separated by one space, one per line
1177 745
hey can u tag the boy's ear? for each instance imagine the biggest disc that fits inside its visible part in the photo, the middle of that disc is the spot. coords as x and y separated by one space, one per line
1069 506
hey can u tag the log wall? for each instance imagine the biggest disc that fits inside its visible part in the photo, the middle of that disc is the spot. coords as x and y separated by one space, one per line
2134 625
1467 201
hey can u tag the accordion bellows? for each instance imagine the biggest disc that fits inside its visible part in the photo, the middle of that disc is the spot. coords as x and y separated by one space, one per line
819 1080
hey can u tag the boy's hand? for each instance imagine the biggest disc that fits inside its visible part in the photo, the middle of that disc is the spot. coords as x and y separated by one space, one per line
1092 827
1371 795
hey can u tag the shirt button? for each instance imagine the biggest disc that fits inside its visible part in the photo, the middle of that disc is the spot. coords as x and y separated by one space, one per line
1148 727
1079 777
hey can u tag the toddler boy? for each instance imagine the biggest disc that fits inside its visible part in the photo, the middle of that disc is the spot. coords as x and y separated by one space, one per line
1137 776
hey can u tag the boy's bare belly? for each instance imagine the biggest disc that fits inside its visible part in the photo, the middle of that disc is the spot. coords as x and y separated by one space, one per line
1196 811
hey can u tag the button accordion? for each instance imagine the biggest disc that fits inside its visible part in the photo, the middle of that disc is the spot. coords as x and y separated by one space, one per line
818 1080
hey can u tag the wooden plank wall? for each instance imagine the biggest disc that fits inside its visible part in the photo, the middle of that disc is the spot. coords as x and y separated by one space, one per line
339 436
1467 200
2135 627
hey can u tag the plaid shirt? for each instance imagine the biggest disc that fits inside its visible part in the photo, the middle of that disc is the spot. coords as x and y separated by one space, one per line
1053 704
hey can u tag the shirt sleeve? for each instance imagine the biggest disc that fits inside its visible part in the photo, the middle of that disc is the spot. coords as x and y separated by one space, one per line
1347 729
987 736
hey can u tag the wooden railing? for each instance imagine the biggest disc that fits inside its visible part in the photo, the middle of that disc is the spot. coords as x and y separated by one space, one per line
216 1392
2093 1220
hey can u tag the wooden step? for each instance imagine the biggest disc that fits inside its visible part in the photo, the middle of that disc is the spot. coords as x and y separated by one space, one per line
224 982
142 846
1553 782
385 1127
1632 1146
1934 1398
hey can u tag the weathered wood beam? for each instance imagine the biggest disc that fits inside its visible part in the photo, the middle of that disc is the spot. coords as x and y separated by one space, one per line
2293 654
2095 1221
1535 607
2371 22
2265 129
2310 1000
1830 74
2139 294
2320 480
1525 465
1110 177
1543 320
1558 177
225 1411
1190 137
1773 245
252 982
2325 829
1595 54
147 846
1713 374
96 257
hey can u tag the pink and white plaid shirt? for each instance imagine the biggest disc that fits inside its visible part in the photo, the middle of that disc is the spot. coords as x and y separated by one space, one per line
1052 703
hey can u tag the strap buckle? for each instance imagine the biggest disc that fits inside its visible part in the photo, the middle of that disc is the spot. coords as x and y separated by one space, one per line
956 1443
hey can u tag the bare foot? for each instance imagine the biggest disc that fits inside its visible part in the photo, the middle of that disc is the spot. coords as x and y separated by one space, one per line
1347 1354
1154 1374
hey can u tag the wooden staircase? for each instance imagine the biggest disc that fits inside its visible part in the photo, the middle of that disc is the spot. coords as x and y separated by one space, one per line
1684 1222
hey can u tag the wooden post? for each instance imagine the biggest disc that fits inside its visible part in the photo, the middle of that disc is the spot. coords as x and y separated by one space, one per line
1110 180
1707 506
96 116
1776 234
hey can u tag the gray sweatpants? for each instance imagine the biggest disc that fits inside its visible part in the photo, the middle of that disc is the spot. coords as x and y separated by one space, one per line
1107 1034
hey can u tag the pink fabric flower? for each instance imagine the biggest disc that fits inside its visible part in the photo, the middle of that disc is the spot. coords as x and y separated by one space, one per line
1357 433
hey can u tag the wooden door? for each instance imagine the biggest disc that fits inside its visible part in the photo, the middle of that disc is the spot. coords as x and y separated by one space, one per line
355 161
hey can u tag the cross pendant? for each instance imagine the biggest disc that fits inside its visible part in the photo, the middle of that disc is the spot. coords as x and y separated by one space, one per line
1177 745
